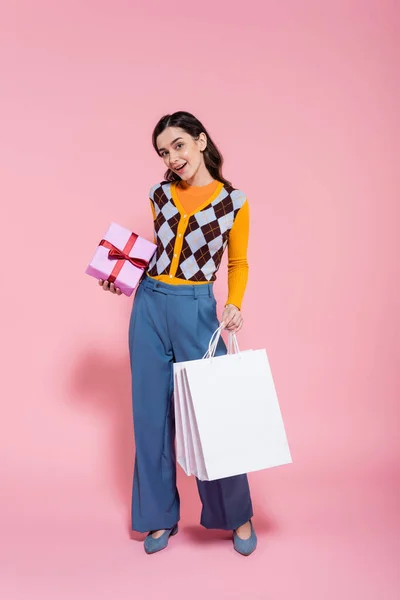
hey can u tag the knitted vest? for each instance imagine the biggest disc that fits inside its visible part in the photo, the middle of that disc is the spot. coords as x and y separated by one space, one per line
204 238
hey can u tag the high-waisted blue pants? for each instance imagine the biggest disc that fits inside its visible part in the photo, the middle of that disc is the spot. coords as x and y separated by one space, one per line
171 324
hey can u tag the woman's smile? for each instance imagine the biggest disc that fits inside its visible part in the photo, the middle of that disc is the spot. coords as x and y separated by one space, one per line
180 168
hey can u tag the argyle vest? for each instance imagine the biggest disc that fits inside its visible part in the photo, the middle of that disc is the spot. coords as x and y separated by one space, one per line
205 236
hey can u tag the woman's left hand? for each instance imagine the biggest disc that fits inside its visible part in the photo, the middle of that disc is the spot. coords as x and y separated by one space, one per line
232 318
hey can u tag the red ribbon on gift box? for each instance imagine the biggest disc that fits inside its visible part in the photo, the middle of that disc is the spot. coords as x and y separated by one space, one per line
122 255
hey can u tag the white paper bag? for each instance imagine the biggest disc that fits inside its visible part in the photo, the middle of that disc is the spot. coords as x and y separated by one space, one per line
180 428
188 448
229 416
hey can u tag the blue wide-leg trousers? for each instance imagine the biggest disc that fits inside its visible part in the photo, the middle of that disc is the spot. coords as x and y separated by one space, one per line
172 324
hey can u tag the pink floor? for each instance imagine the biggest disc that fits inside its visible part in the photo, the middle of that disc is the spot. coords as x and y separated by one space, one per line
317 540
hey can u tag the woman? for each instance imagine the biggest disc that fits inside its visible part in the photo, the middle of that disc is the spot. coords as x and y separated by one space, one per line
197 213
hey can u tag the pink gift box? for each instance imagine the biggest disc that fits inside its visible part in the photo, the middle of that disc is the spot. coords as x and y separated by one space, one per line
121 257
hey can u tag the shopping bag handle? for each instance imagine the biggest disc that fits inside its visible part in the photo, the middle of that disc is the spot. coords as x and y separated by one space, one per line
212 345
233 346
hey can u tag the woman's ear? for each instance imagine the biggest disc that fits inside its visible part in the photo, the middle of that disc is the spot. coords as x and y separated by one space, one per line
202 141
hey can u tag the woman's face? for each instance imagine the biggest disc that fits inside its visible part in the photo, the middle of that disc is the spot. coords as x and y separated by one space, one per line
182 153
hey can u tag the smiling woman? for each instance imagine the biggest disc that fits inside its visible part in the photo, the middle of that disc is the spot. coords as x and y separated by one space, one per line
197 213
212 214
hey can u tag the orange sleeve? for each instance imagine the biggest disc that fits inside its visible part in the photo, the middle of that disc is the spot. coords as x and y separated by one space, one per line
154 218
238 267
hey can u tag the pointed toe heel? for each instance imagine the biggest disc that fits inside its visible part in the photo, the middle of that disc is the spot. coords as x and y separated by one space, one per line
245 547
152 545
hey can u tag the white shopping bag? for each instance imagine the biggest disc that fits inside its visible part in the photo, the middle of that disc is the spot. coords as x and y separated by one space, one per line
229 420
181 429
188 448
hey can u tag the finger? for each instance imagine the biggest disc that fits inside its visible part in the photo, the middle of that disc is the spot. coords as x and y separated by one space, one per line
105 285
235 318
118 291
239 326
101 281
229 317
235 323
112 288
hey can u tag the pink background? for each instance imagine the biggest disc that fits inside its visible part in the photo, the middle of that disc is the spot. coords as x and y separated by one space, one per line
302 97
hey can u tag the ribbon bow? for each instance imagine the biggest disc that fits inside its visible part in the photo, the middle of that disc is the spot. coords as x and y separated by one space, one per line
121 255
117 254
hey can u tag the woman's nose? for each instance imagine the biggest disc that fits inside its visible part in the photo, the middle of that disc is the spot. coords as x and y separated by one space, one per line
172 157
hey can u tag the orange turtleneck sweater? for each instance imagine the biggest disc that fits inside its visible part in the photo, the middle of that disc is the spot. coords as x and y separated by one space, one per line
192 198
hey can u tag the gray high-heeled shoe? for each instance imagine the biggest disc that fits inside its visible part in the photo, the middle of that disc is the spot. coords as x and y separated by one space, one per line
152 545
248 546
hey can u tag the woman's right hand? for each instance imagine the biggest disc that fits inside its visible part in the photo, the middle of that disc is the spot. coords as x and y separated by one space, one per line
110 287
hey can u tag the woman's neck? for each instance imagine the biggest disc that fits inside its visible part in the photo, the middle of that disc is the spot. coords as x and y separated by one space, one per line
201 178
